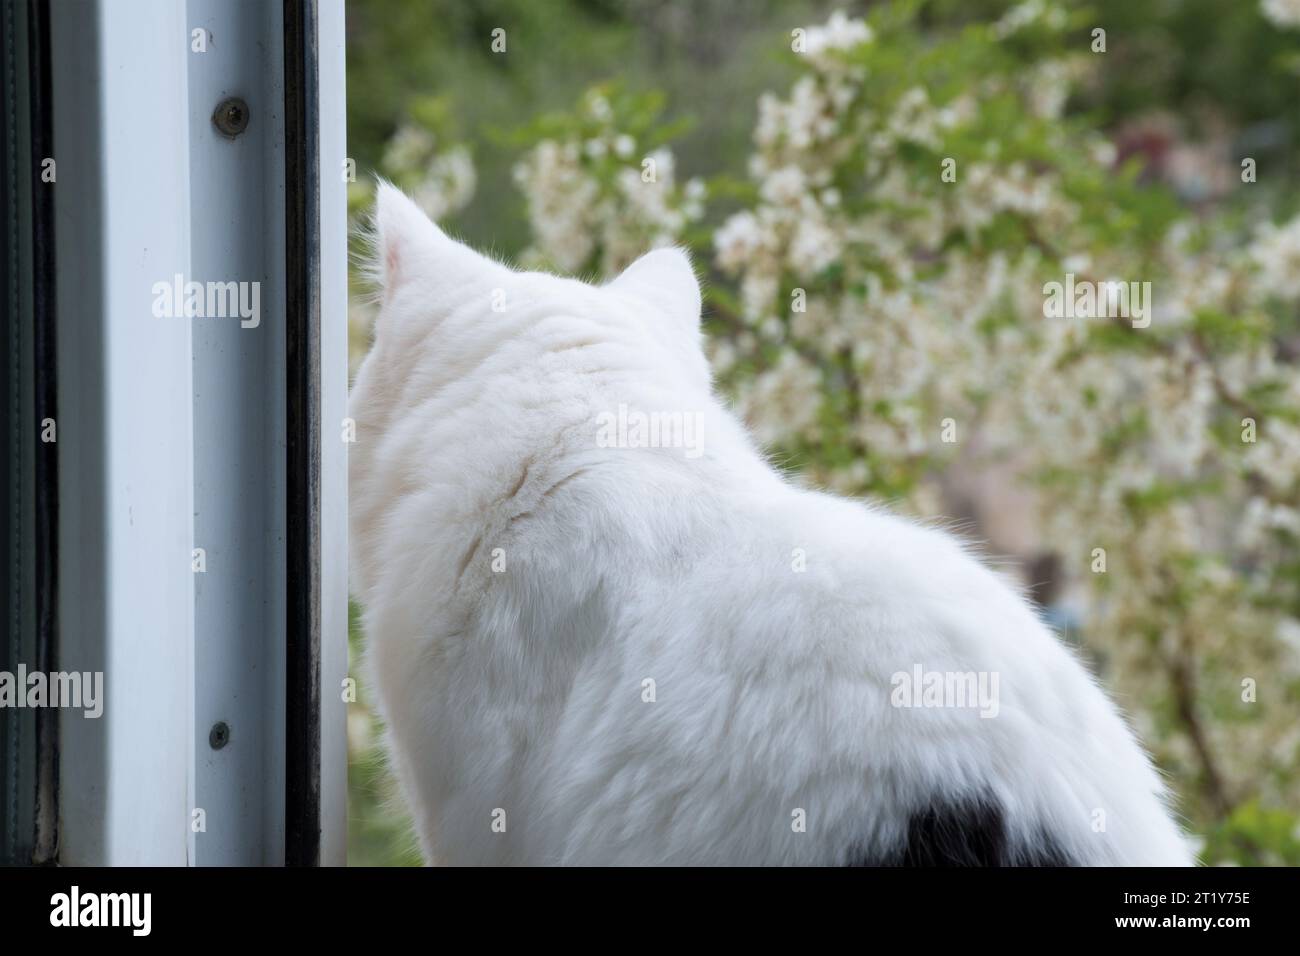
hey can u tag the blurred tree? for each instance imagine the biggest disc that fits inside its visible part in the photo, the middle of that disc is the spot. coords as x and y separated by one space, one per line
920 298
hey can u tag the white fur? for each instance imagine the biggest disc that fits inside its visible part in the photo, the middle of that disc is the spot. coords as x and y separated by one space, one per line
522 690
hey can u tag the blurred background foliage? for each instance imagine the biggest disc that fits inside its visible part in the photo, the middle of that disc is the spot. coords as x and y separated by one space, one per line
1206 63
1185 87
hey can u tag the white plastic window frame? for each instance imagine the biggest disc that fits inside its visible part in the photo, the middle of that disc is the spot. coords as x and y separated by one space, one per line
173 434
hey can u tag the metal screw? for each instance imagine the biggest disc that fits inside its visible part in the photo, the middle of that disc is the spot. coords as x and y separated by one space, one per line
219 736
231 117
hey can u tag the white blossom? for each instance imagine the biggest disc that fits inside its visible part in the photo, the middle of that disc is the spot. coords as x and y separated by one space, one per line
1285 13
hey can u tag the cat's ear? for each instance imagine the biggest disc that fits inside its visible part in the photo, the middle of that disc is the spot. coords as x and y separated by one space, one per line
409 247
666 280
404 236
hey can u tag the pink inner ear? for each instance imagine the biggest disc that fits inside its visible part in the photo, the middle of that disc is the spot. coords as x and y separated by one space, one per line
392 261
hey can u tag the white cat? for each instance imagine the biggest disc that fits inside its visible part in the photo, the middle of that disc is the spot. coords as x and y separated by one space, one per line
597 642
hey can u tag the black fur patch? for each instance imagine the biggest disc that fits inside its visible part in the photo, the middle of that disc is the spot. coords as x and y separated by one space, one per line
972 833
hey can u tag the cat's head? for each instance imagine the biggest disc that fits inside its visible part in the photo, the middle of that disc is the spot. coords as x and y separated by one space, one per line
467 349
434 288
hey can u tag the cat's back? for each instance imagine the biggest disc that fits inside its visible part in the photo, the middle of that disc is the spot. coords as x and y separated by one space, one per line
868 675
